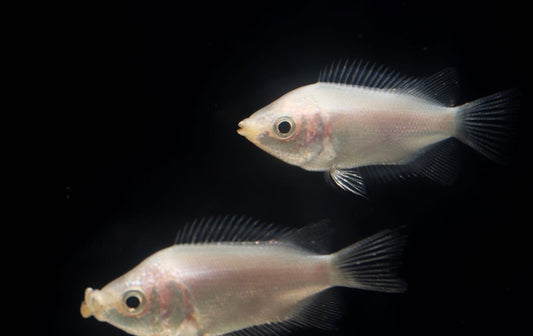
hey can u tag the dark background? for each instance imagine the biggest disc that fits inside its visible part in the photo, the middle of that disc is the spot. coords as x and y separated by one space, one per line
152 96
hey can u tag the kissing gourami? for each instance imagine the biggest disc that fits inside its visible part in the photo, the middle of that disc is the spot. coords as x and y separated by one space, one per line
236 275
361 117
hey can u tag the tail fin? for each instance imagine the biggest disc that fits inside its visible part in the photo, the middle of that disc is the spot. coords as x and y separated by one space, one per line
371 263
487 124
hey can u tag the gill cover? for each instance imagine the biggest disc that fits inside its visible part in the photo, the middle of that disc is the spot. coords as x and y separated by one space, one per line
290 129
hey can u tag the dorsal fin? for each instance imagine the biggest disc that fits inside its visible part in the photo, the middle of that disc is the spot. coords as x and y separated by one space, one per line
440 87
364 73
313 237
229 229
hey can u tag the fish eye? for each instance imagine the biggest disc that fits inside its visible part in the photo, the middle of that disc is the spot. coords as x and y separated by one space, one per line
133 301
284 127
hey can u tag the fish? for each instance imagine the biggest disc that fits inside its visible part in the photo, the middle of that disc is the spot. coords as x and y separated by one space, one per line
363 121
247 277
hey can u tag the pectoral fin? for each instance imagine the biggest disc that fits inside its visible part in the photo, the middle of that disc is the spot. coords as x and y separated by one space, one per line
349 180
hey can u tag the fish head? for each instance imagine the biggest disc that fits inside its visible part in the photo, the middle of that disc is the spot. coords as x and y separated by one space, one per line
290 128
139 302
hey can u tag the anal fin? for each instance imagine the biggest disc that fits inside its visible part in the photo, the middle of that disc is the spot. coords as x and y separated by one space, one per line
320 311
438 162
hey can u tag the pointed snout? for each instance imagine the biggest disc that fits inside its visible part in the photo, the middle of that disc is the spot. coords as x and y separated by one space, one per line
247 129
241 125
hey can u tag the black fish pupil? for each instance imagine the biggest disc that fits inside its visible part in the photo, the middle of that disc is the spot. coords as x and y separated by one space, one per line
284 127
133 302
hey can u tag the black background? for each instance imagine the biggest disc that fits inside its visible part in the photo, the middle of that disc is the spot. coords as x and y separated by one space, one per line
152 96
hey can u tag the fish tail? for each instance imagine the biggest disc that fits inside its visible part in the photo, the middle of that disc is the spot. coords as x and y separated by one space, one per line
488 124
371 263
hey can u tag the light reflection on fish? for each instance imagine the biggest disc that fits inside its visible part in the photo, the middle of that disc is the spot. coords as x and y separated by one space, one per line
363 115
240 274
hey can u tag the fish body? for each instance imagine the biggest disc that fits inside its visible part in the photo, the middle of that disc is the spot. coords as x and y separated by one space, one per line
360 127
221 287
354 117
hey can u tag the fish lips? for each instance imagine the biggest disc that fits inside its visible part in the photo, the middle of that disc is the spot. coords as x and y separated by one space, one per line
246 129
92 304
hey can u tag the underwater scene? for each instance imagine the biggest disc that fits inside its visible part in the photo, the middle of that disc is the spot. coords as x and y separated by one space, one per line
293 168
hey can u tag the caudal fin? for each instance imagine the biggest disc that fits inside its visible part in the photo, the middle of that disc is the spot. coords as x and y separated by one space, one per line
488 124
371 263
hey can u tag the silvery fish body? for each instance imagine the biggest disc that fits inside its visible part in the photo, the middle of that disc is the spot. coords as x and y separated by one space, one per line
214 288
363 116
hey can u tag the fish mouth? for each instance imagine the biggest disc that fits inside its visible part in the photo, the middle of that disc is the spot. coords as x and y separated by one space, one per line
247 130
242 127
91 305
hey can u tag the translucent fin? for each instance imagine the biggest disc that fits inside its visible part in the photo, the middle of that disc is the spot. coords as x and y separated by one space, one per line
386 173
321 311
349 180
440 87
314 237
488 124
229 229
437 162
364 73
371 263
269 329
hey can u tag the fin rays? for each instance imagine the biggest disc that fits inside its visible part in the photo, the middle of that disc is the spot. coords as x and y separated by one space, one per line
315 237
228 229
372 263
320 311
440 87
360 73
349 180
436 162
488 124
